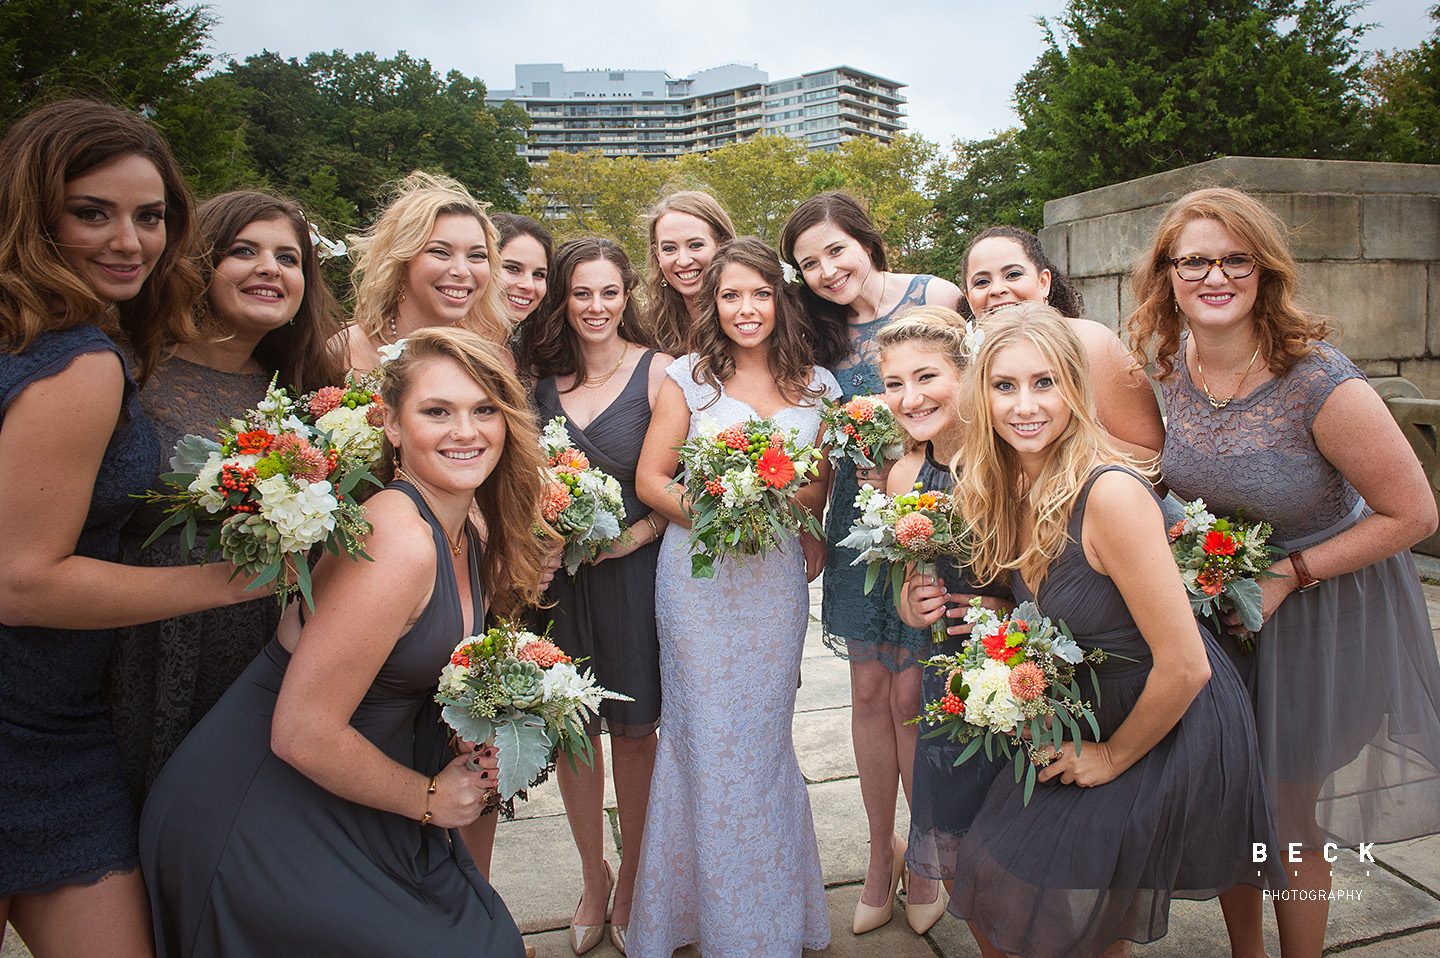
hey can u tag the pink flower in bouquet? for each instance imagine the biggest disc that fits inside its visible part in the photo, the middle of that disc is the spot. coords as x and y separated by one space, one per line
572 461
375 412
1210 582
860 409
326 399
543 653
1177 530
458 657
556 499
775 468
1027 681
914 530
306 462
777 440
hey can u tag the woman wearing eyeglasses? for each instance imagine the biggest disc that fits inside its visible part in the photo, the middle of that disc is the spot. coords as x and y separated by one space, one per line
1265 416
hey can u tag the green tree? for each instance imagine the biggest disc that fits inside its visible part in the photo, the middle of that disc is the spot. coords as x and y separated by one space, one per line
759 181
131 52
1402 102
1137 87
986 185
587 194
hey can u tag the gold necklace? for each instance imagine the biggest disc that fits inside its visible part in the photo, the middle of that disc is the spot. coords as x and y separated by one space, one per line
459 542
597 383
1222 403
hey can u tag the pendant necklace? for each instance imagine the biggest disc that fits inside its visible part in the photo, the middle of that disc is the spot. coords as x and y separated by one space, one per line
459 542
1222 403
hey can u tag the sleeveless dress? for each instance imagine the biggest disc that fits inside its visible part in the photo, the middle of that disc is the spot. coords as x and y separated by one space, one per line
729 859
606 612
245 856
65 814
1080 868
164 676
946 796
1344 678
857 626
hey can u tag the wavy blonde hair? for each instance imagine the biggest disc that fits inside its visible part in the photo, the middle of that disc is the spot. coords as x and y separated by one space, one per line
514 557
1286 329
665 312
992 490
399 235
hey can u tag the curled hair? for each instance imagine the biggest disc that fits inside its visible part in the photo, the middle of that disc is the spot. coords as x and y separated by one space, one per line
829 321
45 149
936 328
790 350
1063 294
514 557
549 346
511 225
1285 328
399 235
297 351
992 488
666 313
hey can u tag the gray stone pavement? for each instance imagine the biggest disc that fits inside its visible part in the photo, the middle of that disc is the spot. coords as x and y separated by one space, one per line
1394 911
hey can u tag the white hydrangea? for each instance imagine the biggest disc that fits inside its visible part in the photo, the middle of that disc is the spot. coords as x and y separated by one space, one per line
991 704
742 488
554 436
303 517
350 432
452 679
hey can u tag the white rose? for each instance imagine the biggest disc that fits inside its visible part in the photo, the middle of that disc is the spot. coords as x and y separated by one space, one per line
452 679
303 517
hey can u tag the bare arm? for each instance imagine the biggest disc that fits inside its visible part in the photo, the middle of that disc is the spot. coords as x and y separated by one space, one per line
942 292
1123 394
652 526
361 610
1124 538
51 446
655 481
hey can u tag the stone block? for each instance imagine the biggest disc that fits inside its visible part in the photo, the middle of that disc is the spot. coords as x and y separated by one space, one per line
823 744
1401 227
1110 244
1322 225
1382 367
1432 312
1380 307
1424 373
1056 242
1102 298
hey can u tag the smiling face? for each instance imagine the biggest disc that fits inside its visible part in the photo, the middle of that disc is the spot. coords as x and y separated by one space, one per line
922 389
596 301
999 272
449 432
684 246
745 301
524 270
448 275
112 226
834 264
258 283
1027 407
1217 301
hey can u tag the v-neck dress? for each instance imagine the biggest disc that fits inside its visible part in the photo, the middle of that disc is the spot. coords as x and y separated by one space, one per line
246 856
606 612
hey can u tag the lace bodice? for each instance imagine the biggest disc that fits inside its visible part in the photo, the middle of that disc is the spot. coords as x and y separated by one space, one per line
1259 452
859 372
726 409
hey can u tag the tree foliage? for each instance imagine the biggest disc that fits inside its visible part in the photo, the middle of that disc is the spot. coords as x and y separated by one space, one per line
986 184
1401 90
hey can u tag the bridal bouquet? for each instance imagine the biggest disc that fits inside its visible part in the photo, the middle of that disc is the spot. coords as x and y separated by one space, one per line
581 503
913 527
1013 689
1219 560
741 489
275 486
522 692
354 415
864 430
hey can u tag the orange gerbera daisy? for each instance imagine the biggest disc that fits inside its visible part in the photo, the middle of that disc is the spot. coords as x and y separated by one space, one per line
776 468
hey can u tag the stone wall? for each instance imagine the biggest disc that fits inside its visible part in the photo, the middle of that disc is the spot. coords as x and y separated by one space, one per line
1367 236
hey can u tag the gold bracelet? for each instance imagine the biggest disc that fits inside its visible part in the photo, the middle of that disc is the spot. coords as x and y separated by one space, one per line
429 792
653 527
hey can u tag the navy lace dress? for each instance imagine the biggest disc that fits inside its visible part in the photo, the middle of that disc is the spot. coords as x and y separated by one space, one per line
65 814
857 626
1344 678
1080 868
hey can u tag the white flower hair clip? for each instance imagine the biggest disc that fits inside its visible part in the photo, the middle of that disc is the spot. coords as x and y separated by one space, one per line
974 338
788 271
389 353
327 248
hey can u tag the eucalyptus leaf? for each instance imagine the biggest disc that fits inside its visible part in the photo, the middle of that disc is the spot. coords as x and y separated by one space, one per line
524 749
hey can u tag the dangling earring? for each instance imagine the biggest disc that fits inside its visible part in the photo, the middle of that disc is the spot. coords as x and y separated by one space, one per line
402 293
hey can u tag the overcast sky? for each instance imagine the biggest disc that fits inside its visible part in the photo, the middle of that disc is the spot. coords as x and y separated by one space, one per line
960 58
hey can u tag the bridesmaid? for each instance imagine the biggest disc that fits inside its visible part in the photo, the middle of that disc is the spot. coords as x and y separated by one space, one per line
310 812
526 254
97 242
1006 264
1167 800
430 259
923 355
595 365
685 229
1266 415
268 313
849 294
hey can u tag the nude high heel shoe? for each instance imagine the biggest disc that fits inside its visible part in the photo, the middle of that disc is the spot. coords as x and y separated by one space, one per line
922 917
870 917
585 937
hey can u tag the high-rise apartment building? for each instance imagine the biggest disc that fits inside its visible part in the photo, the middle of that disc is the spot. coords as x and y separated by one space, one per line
648 113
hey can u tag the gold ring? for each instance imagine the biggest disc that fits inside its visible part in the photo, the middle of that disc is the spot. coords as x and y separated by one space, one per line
490 797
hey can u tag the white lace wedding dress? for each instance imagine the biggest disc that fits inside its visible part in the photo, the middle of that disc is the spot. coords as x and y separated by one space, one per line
729 859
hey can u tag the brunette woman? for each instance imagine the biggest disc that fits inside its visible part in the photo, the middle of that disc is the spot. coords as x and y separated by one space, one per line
685 229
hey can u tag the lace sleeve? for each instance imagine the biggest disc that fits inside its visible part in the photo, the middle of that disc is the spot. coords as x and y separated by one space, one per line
697 395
